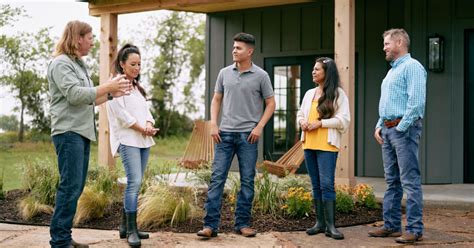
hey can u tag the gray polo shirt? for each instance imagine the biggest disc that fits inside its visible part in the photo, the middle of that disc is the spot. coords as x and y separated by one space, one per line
72 97
243 97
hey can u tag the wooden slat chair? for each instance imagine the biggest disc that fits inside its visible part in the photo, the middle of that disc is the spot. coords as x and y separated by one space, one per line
288 163
200 148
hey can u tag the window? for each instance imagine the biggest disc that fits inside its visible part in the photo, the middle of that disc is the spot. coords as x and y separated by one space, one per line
287 83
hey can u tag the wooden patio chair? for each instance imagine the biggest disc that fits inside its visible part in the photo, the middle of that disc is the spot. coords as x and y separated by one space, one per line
288 163
200 148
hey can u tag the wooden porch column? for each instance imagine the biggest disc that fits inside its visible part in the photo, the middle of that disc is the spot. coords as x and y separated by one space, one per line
344 54
108 50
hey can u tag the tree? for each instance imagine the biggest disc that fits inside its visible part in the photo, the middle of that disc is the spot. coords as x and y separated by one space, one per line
23 59
9 123
180 39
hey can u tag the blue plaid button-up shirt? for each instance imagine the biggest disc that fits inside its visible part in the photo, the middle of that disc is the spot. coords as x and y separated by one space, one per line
403 93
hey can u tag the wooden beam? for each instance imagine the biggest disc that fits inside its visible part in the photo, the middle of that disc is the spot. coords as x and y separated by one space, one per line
200 6
344 54
108 50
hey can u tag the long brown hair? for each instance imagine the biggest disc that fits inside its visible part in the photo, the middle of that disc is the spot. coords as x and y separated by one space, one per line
69 42
122 56
330 92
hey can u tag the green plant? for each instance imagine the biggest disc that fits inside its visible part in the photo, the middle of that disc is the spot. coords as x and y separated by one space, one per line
267 198
41 177
30 207
162 204
364 195
92 204
293 181
102 179
298 202
202 176
2 193
344 202
233 183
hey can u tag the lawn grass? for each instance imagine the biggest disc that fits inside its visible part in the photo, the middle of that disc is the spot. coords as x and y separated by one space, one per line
13 156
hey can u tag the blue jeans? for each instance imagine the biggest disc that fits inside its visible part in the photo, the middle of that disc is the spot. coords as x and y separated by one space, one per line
134 161
321 166
73 160
232 143
402 173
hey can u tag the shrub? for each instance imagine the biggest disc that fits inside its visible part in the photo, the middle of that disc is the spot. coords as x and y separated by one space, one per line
298 202
102 179
162 204
92 204
233 183
30 207
41 177
292 181
364 195
344 202
202 176
267 198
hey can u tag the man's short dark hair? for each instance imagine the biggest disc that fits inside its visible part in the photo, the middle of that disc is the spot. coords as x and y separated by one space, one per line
246 38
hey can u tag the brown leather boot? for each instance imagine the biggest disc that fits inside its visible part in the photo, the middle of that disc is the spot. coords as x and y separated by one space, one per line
383 232
247 232
207 233
409 238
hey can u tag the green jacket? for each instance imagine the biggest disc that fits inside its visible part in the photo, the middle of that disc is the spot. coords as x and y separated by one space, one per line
72 97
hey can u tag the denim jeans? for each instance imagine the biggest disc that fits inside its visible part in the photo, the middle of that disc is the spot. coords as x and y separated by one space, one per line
134 161
402 173
73 160
232 143
321 166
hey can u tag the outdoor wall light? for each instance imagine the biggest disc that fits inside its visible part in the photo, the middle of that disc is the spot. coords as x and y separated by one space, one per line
436 53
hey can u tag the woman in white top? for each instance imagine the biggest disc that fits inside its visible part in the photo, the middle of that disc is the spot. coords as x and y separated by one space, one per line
131 134
323 117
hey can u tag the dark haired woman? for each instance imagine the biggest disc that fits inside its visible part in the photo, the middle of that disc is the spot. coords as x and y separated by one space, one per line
131 131
323 117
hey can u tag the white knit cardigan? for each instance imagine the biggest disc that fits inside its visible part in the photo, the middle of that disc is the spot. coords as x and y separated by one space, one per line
337 125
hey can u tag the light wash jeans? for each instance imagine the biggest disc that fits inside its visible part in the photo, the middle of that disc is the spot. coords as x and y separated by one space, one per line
134 161
402 173
232 143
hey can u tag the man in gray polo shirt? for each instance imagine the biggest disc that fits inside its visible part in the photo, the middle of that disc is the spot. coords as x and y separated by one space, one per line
241 88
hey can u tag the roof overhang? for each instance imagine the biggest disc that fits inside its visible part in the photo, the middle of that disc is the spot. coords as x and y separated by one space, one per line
98 7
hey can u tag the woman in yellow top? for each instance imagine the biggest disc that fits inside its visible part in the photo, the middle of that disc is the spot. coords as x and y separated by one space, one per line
323 117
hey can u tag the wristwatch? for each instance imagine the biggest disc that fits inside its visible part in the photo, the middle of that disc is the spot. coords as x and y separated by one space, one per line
109 96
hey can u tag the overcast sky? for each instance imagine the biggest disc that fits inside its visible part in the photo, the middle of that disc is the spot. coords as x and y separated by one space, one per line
56 14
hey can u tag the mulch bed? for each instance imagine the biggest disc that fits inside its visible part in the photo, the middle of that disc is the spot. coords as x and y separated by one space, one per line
261 222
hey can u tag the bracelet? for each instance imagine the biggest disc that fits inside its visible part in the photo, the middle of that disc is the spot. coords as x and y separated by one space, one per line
109 96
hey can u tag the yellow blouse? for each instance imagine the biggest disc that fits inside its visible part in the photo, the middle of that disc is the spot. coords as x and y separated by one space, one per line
317 139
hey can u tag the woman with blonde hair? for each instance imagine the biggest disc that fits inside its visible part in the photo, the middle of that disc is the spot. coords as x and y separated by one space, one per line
73 98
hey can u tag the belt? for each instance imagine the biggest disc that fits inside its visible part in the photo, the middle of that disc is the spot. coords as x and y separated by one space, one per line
391 123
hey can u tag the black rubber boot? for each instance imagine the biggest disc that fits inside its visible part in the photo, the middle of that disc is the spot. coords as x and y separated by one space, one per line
132 232
329 214
123 228
320 225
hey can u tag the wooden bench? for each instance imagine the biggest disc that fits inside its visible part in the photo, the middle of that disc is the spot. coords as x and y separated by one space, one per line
200 148
288 163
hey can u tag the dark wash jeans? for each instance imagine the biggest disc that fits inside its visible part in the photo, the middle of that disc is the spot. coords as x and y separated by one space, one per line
402 173
232 143
73 159
321 166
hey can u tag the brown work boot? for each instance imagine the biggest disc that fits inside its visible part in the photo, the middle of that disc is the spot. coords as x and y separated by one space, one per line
78 245
409 238
207 233
383 232
247 232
